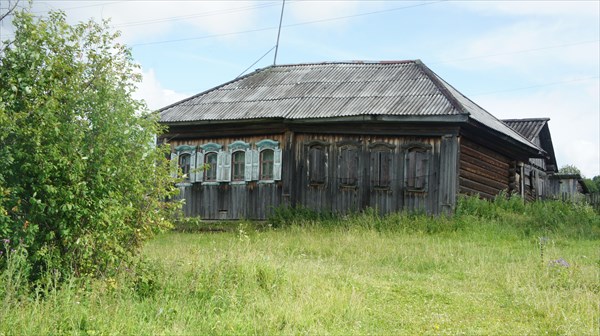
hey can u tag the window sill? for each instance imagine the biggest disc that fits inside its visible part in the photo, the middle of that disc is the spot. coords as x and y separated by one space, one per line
211 183
265 181
381 188
183 184
237 182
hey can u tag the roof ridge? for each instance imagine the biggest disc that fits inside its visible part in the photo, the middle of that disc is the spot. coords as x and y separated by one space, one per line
525 119
352 62
437 80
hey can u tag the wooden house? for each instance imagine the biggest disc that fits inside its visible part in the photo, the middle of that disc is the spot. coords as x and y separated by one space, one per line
340 137
538 171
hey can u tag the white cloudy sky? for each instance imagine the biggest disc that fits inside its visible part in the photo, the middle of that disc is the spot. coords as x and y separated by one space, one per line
516 59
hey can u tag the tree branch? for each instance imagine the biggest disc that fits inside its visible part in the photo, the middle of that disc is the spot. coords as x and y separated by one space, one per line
12 5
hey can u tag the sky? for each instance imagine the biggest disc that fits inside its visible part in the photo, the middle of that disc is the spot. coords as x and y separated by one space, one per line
516 59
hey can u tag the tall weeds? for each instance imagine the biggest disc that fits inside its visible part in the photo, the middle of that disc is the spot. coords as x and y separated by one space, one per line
509 215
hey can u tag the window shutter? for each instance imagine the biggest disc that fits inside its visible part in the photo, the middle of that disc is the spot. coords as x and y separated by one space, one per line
423 171
277 164
317 165
417 169
223 166
385 168
226 166
375 168
248 165
193 167
174 164
255 164
199 166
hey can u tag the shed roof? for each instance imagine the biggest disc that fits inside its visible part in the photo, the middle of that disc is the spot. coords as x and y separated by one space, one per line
537 131
529 128
334 90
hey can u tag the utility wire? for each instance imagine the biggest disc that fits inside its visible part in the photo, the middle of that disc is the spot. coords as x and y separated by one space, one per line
289 25
204 14
48 3
535 86
515 52
258 60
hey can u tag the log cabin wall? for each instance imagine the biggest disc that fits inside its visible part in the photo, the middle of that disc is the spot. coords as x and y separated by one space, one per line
482 171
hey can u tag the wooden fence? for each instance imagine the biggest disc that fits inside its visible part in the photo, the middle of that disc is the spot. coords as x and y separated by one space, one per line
594 200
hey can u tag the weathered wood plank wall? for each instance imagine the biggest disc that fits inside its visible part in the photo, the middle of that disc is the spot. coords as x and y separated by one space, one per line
231 201
334 196
255 200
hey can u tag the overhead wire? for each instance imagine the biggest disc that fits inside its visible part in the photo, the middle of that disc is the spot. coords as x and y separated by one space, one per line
48 3
535 86
289 25
514 52
190 16
248 8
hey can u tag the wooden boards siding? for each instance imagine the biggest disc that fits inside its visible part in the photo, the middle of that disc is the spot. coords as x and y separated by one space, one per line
355 172
482 171
335 194
223 201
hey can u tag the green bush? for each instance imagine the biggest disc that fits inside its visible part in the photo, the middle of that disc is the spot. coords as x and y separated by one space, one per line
81 182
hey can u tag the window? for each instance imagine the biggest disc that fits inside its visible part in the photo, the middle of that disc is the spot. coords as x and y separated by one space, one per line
348 166
416 171
317 164
184 161
266 161
381 156
266 164
210 167
238 163
184 165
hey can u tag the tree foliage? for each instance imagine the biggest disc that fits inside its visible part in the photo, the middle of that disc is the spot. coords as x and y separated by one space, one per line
593 184
81 184
569 169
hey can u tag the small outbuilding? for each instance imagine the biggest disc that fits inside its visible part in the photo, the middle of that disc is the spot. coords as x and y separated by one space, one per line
341 137
538 171
568 187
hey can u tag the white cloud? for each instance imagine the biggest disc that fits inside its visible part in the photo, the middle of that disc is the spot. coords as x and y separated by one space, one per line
574 113
527 47
154 94
533 8
305 11
141 20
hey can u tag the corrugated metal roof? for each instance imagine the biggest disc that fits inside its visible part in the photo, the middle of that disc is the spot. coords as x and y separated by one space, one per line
537 131
318 91
529 128
329 90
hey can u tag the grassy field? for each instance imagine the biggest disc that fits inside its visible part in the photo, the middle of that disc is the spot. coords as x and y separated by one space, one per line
474 274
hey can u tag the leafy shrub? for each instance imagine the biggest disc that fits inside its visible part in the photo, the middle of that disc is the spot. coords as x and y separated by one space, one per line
81 183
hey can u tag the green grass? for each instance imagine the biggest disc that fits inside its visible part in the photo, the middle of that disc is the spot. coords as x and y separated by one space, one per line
479 273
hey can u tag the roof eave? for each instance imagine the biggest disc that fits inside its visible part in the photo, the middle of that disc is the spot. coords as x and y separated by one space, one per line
459 118
528 150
